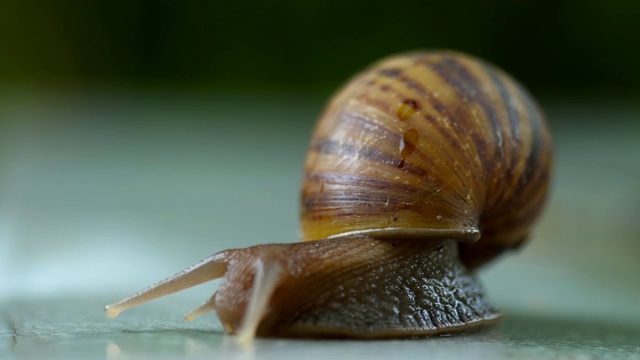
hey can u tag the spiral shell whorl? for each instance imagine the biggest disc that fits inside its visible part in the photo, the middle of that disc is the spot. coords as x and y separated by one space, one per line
434 140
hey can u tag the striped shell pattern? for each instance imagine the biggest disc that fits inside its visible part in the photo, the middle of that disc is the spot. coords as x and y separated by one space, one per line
429 143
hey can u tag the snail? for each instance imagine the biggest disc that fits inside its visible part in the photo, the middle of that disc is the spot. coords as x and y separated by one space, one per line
422 168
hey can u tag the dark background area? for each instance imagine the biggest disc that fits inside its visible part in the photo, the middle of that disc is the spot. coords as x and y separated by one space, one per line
562 48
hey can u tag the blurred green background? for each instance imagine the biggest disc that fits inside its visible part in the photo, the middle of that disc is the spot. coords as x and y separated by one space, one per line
569 46
137 137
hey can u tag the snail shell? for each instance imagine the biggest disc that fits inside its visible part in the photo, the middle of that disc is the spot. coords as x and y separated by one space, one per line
429 143
422 168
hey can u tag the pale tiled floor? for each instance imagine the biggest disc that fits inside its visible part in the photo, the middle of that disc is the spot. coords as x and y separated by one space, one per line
69 330
103 194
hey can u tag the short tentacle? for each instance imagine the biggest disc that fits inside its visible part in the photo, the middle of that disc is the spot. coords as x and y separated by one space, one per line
266 278
207 306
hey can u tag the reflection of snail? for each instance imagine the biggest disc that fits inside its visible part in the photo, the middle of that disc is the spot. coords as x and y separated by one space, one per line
422 168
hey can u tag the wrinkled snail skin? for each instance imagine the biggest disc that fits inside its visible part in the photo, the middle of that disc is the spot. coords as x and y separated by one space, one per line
422 168
361 288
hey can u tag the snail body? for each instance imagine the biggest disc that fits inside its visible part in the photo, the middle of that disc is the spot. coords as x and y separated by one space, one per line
422 168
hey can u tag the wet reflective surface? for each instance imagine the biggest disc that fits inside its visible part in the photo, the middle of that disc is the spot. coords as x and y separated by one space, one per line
71 328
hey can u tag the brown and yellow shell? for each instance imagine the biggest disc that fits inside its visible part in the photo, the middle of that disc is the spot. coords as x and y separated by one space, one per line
429 144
